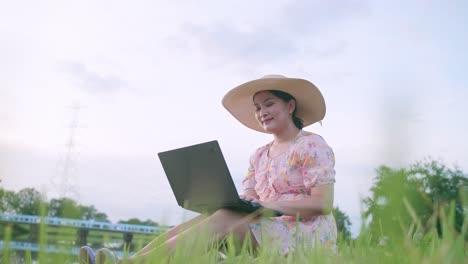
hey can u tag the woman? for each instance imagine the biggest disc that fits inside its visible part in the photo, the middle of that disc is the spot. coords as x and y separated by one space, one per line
294 174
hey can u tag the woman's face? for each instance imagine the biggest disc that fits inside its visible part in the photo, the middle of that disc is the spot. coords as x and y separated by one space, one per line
271 112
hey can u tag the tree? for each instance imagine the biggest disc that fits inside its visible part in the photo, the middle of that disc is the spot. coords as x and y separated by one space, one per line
136 221
343 223
401 195
7 201
64 208
28 201
68 208
441 186
91 213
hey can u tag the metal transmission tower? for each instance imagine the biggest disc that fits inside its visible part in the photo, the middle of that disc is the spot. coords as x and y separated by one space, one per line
65 181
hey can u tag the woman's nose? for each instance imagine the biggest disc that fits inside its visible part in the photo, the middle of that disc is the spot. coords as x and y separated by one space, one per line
262 113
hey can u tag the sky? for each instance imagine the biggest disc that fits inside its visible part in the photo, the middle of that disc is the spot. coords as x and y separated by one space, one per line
91 91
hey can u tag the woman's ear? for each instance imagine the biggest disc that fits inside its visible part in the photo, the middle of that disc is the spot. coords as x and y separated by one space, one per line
291 106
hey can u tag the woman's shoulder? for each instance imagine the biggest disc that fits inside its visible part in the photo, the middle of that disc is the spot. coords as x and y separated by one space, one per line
259 152
311 139
261 149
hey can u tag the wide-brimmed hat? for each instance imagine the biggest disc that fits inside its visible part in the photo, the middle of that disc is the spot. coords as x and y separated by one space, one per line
309 100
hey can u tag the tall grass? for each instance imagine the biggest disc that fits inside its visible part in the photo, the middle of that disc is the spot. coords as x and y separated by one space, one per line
414 247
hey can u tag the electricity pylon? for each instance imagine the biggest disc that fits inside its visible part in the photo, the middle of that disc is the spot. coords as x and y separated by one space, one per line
65 181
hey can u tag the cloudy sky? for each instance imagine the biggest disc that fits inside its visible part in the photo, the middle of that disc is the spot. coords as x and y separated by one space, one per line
120 81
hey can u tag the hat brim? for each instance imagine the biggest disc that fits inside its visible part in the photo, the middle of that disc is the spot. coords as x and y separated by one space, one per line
309 100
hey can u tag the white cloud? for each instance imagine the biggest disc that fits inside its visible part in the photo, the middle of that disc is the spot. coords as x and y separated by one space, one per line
91 81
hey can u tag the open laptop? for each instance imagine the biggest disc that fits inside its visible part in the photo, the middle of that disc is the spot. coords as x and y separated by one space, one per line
200 179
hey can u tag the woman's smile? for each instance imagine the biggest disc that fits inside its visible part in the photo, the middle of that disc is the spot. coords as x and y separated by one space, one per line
267 121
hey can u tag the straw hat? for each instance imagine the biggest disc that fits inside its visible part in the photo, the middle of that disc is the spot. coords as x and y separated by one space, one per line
309 101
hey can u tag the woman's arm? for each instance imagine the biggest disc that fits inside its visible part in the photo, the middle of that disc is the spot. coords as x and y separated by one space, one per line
320 202
317 162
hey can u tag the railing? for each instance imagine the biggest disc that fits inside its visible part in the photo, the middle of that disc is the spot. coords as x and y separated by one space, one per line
92 225
34 247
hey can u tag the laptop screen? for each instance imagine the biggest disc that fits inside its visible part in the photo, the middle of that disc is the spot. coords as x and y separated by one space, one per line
199 177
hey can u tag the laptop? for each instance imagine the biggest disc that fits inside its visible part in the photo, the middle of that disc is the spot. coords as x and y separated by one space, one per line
201 181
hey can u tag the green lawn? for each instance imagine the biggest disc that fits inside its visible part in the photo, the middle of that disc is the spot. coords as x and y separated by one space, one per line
410 248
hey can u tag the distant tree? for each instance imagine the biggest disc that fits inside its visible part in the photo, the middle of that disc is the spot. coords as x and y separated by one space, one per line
91 213
28 201
64 208
343 223
136 221
401 195
68 208
8 205
440 186
7 201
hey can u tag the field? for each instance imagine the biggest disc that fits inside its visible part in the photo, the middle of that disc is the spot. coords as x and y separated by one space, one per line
412 247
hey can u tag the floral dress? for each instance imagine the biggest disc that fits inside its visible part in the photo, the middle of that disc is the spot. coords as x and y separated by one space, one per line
309 162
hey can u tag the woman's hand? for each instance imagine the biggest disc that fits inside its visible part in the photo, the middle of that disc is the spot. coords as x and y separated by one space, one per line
270 205
267 205
249 198
270 209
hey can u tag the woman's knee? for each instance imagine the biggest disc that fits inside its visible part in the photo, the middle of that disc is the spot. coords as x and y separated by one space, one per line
236 223
230 214
230 220
223 211
184 226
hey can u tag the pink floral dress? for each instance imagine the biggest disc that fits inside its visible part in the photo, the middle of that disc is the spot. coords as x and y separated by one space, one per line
309 162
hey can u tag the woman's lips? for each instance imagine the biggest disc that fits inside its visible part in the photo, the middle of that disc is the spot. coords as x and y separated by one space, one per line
266 121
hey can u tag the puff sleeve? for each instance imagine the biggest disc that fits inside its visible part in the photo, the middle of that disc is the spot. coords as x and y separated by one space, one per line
249 181
317 162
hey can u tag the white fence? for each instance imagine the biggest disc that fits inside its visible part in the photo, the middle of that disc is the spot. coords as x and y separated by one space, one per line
92 225
34 247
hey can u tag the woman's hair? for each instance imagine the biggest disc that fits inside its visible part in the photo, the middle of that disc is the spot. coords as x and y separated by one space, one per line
286 98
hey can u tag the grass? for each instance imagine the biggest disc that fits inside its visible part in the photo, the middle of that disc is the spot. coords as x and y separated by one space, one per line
410 247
